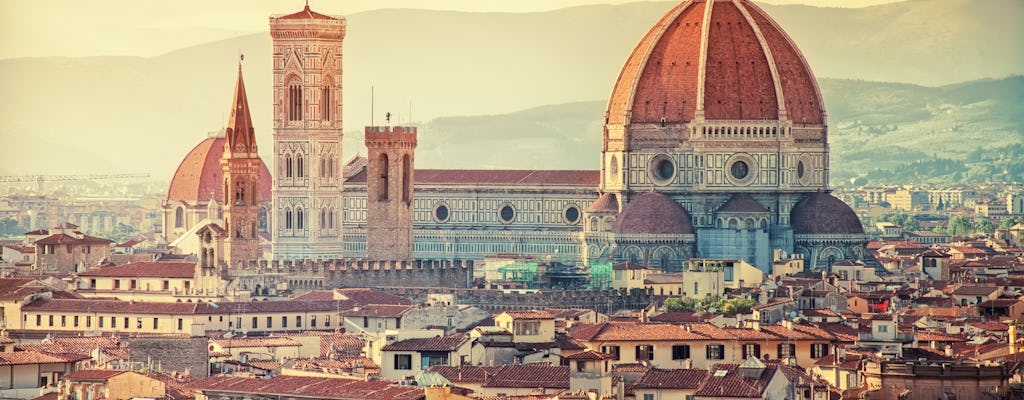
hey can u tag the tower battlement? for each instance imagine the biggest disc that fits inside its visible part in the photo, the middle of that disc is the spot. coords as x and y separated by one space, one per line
390 135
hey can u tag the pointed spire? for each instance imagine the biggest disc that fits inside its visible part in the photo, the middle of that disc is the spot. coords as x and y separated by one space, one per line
240 133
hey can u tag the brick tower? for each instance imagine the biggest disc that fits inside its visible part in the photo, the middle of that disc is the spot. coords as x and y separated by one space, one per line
241 167
307 135
389 184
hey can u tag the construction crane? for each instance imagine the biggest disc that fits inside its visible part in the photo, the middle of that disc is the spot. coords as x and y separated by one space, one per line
40 179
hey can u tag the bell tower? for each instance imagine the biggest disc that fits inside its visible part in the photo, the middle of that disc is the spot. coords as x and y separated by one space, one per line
308 177
241 167
389 184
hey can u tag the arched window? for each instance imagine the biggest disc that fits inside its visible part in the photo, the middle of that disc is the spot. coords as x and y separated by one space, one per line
239 192
179 217
323 166
330 166
383 195
288 166
295 101
330 219
299 219
287 219
323 218
262 218
406 179
325 101
300 169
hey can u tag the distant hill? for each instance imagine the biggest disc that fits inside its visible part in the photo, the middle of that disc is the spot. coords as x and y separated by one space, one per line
64 115
886 132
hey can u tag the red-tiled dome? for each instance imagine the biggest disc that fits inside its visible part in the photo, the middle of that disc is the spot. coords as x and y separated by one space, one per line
822 213
653 213
608 202
199 175
751 70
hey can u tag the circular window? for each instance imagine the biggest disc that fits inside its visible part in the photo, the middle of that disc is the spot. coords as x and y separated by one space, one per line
739 170
507 213
441 213
800 169
572 214
662 169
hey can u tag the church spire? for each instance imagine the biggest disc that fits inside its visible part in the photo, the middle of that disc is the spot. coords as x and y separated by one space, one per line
240 136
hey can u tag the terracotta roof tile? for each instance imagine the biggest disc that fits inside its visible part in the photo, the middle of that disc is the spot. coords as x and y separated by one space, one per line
653 213
531 314
530 376
199 177
632 331
309 387
731 383
93 375
155 269
682 379
257 342
439 343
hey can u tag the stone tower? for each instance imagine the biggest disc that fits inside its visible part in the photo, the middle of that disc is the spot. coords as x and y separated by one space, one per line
389 185
240 165
307 134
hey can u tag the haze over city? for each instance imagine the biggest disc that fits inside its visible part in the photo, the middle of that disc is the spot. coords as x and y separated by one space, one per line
525 200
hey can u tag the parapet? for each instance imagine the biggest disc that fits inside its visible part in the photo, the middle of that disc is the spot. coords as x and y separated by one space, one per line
323 267
377 136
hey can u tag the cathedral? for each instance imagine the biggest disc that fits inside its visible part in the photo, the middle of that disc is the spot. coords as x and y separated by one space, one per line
715 145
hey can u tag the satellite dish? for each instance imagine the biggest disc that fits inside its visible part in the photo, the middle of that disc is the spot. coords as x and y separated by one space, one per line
792 314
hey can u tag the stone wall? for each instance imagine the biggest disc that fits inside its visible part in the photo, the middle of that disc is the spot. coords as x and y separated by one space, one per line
318 274
603 301
172 354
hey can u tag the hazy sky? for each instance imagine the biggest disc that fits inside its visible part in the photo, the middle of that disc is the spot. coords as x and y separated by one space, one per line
147 28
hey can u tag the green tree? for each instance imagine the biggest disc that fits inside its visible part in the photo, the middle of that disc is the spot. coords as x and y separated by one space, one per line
984 225
1009 223
960 225
123 232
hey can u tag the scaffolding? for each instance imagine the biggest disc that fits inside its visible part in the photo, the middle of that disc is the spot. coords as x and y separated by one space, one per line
520 271
601 275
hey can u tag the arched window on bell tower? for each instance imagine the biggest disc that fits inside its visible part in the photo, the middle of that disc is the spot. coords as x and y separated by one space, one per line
326 101
299 219
295 100
288 166
299 167
383 195
239 192
287 219
406 175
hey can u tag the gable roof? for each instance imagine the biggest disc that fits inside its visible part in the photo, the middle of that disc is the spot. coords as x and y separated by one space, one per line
682 379
154 269
437 343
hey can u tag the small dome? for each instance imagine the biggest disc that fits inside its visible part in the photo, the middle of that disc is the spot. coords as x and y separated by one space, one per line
608 202
654 213
199 175
742 203
822 213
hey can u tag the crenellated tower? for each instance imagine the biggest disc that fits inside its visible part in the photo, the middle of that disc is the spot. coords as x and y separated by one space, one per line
390 153
241 170
308 176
